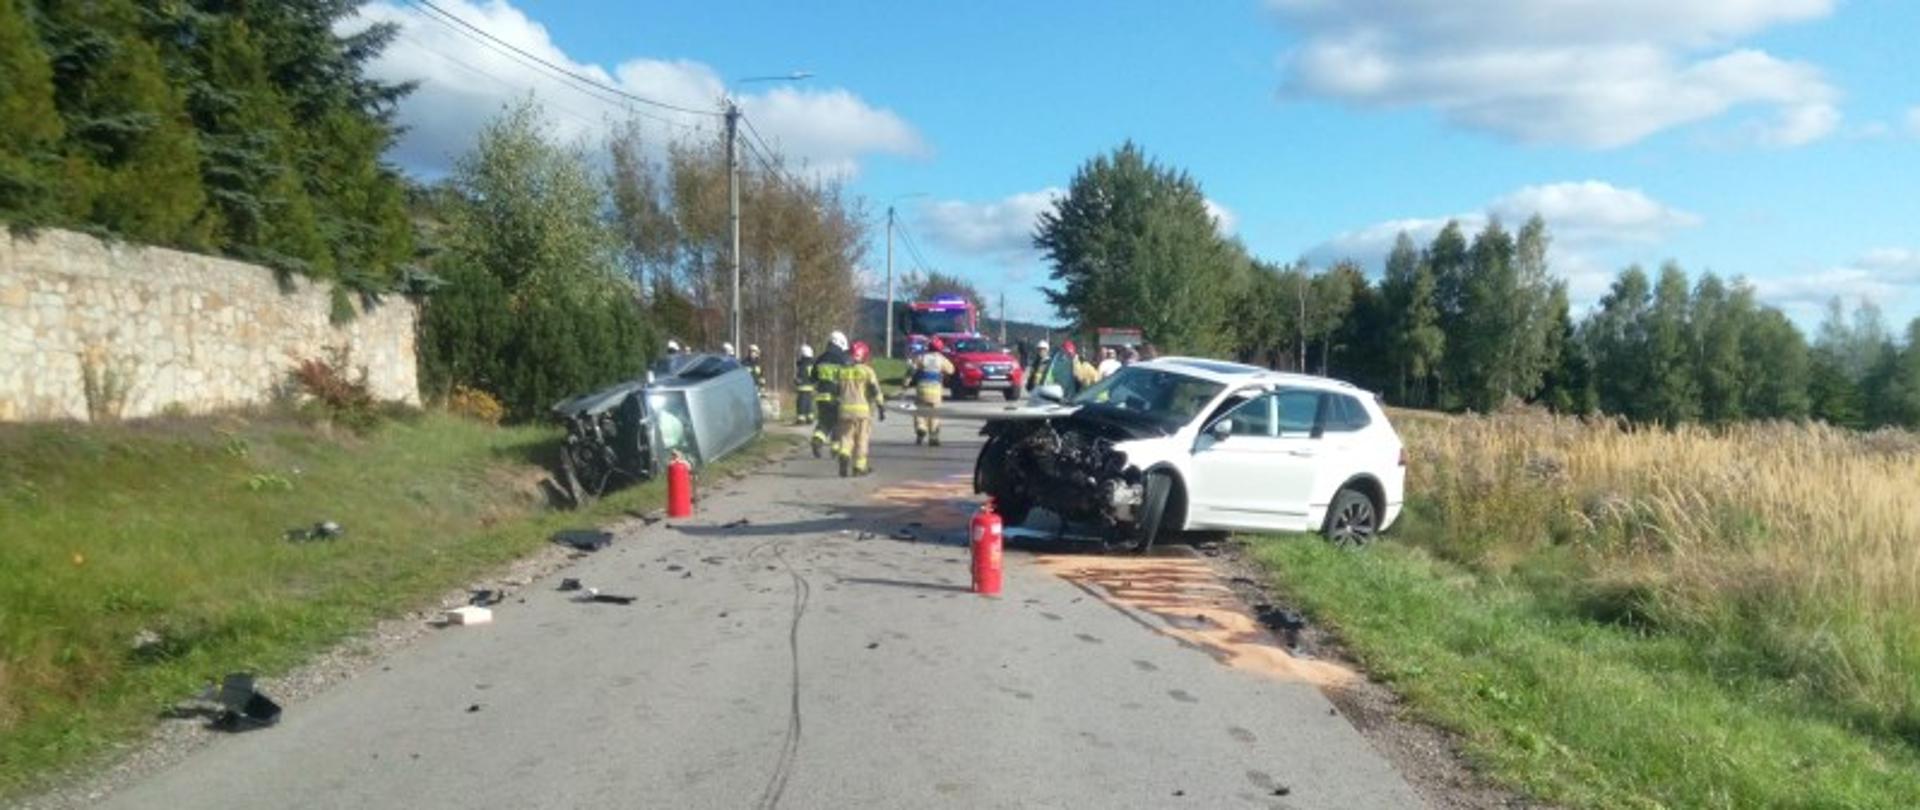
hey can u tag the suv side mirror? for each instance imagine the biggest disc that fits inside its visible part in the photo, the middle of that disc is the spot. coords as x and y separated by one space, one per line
1221 430
1051 393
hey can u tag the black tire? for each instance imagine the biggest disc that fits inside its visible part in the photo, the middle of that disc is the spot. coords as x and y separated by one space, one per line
1352 519
1011 394
989 478
1158 491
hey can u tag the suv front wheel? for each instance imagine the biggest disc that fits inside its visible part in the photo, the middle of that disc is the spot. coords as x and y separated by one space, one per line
1352 520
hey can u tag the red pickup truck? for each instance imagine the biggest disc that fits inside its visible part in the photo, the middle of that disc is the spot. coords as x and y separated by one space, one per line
980 364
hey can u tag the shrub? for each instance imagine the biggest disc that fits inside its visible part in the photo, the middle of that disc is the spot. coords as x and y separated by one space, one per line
475 404
336 393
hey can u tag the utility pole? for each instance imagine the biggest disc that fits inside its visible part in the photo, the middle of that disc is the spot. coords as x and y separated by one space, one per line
733 215
889 281
1003 317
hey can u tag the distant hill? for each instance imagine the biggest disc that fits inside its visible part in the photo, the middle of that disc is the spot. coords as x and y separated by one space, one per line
870 325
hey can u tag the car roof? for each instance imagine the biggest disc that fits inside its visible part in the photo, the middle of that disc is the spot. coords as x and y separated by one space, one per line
1230 373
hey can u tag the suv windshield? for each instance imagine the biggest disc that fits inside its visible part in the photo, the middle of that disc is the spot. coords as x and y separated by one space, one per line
1163 397
973 345
938 321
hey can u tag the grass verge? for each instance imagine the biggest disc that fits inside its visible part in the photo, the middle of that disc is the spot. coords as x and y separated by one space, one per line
1582 712
174 530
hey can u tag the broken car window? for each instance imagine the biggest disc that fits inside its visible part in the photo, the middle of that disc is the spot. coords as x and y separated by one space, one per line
1165 397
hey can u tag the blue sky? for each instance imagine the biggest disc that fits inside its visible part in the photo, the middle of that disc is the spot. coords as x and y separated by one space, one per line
1776 139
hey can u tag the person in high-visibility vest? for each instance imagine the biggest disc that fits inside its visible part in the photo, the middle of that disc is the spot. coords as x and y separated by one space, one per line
826 380
928 380
803 386
859 398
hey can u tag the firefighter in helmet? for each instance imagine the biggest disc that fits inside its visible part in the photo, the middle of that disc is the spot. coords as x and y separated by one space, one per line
803 386
928 380
859 399
826 380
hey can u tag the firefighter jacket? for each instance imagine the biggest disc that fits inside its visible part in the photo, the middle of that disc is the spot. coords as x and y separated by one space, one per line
803 375
859 390
826 373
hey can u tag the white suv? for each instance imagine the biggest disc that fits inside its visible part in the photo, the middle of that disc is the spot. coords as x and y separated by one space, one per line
1183 444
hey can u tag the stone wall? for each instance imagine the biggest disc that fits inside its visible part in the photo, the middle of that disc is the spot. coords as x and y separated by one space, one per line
168 331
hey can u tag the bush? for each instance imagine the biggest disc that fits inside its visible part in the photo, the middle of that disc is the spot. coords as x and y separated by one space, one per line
336 393
475 404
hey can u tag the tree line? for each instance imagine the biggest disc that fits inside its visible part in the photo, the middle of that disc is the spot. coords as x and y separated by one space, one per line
1464 322
563 273
250 129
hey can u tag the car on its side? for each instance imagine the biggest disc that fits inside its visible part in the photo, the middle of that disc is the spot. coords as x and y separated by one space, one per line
1185 444
980 364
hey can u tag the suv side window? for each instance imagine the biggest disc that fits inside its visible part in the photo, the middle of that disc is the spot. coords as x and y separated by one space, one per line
1346 414
1253 417
1299 412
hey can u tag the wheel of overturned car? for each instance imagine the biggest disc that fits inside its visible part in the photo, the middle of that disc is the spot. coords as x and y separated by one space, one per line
1352 521
1158 492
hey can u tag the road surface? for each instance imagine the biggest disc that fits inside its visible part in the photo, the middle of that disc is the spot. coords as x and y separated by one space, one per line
811 659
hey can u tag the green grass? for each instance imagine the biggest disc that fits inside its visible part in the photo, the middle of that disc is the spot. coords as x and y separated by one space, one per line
176 528
892 371
1580 711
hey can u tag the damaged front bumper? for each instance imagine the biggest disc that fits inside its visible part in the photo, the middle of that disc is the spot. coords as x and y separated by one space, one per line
1072 468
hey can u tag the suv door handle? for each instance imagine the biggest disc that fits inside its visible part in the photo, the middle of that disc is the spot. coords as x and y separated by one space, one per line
1304 452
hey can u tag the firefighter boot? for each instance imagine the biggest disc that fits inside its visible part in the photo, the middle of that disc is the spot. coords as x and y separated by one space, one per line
846 466
933 437
920 437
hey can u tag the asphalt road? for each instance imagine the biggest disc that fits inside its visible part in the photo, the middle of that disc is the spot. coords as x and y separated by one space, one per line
811 659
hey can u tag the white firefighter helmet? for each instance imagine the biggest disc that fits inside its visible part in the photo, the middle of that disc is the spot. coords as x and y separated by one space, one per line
806 350
673 347
753 350
726 349
1042 346
838 340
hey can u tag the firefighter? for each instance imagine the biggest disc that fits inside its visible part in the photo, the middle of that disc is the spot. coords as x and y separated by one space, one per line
928 380
859 397
803 386
1041 358
753 365
826 381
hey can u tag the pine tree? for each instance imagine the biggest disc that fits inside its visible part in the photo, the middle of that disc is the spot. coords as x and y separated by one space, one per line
1673 396
1716 323
132 158
1616 339
1778 386
30 127
1491 312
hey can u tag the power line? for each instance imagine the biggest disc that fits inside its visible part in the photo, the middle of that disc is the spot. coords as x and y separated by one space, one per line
429 5
765 152
534 70
489 75
912 248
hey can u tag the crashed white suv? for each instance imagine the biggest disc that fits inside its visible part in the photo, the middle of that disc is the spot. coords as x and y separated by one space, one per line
1183 444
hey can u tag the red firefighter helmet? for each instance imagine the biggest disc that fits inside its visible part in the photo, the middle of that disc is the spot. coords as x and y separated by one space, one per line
1068 347
860 351
938 345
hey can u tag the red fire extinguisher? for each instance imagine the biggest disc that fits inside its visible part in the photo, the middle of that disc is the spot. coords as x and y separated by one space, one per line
679 487
986 543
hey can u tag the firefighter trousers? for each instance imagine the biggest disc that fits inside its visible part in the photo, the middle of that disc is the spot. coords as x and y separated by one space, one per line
852 439
826 424
803 405
926 409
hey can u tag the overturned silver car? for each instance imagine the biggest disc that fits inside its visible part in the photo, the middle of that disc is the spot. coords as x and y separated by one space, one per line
702 406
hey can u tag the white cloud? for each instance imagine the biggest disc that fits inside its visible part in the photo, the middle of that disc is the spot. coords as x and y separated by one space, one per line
999 228
1587 220
1883 276
464 82
1594 73
1225 221
1003 228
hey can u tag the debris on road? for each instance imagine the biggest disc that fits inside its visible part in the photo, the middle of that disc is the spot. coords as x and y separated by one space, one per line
611 599
470 614
583 539
324 530
485 597
735 524
243 706
570 584
648 518
676 567
473 708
